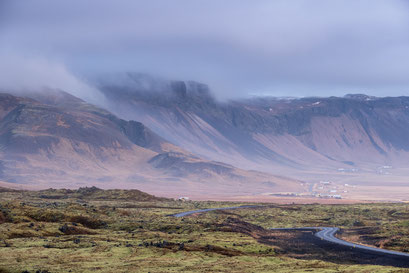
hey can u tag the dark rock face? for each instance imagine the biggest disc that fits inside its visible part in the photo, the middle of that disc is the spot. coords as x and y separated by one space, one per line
139 134
179 88
185 95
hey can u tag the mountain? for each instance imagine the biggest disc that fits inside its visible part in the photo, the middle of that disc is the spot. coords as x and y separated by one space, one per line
53 139
339 138
196 145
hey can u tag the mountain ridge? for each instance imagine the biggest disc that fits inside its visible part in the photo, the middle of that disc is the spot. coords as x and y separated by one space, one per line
61 141
284 136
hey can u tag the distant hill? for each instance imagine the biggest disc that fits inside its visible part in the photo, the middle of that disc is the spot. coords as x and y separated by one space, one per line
94 193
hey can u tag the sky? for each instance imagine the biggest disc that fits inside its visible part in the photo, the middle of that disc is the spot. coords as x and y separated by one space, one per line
240 48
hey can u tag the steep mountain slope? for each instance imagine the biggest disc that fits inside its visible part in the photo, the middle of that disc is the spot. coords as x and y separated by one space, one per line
58 140
286 136
355 130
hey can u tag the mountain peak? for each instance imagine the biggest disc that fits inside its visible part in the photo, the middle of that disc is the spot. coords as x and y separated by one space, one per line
159 91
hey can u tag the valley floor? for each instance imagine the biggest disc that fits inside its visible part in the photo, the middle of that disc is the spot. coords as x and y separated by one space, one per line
117 232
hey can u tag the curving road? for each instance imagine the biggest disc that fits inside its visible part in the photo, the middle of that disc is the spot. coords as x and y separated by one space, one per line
324 233
328 234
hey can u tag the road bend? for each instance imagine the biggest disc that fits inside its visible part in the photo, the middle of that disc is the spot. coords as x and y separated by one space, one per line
328 234
324 233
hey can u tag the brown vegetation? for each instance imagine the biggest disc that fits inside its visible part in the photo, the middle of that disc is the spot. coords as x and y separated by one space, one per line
2 218
85 235
74 230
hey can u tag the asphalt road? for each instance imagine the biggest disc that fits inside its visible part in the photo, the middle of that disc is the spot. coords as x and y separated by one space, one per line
328 234
324 233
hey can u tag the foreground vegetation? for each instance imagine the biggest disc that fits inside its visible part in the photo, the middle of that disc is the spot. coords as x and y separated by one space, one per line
128 231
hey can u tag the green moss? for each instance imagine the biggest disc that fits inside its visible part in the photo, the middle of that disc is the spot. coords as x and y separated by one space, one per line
128 236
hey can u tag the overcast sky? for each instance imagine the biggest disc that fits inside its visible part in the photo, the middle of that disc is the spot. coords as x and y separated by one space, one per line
240 48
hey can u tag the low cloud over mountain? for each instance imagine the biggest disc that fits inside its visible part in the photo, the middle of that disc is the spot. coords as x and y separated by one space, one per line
57 140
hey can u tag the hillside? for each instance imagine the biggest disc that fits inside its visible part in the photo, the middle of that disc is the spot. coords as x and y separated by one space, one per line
355 139
342 132
57 140
94 193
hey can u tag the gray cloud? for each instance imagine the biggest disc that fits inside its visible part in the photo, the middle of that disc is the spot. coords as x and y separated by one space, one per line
22 74
300 47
